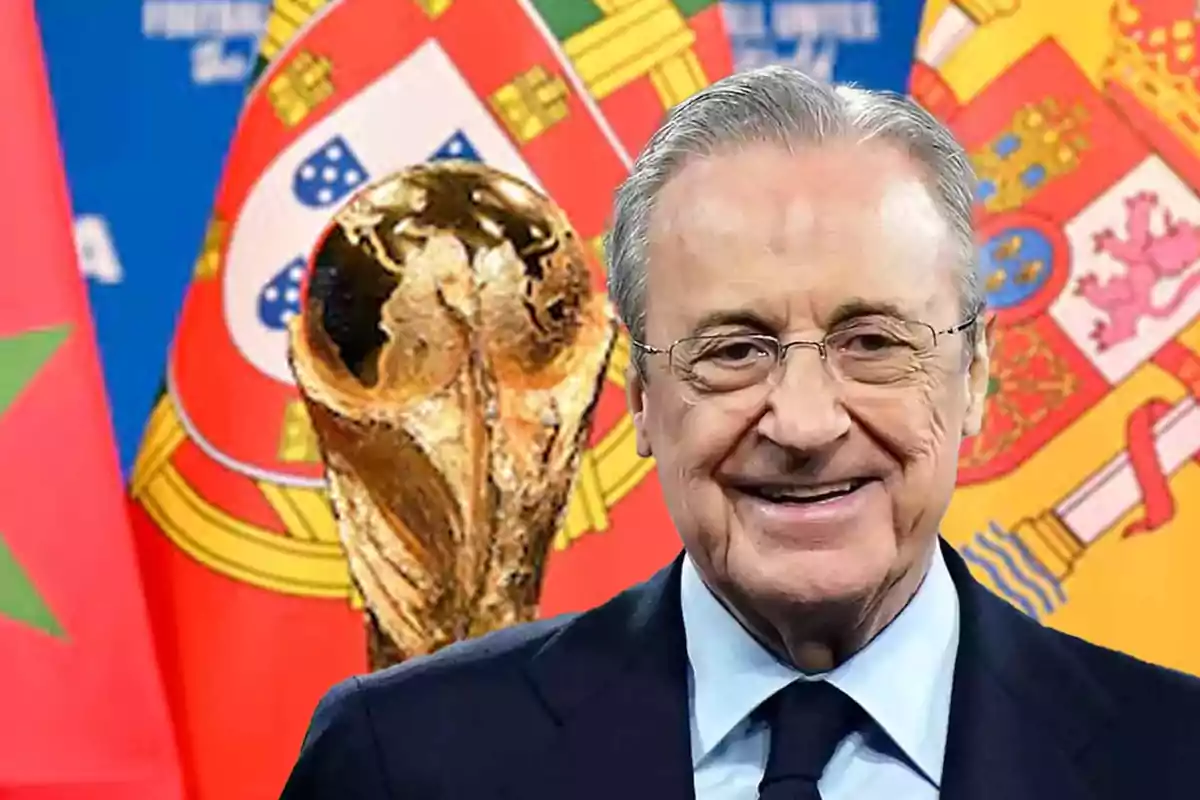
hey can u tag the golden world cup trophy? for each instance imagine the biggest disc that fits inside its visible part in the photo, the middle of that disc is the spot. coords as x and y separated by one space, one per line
450 350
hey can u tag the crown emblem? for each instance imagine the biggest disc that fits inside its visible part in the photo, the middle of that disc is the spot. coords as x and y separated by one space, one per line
1154 57
1043 141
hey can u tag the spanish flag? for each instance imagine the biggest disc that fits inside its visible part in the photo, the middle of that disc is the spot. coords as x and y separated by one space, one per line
82 710
1077 502
254 610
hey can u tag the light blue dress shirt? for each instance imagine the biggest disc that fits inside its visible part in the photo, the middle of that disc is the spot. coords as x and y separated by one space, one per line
902 678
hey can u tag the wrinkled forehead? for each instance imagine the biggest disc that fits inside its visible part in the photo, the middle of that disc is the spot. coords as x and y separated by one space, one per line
798 235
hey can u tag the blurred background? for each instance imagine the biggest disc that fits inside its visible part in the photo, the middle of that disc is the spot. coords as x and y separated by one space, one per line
181 574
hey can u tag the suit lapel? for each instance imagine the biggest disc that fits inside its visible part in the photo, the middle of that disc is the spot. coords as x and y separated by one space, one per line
1023 710
615 681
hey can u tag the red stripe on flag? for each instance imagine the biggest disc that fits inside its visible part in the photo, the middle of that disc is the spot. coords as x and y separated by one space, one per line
85 707
244 666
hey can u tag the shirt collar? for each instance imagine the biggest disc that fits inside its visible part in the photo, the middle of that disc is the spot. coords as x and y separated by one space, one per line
902 678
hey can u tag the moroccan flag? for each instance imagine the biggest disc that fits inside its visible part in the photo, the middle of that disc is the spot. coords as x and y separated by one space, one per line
82 712
1080 500
249 587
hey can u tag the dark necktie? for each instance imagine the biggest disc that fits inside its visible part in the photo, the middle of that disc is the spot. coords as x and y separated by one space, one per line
808 720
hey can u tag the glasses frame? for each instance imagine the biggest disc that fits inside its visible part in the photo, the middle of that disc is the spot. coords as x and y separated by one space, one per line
821 345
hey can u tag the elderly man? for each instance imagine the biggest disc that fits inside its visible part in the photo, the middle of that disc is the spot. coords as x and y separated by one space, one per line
795 265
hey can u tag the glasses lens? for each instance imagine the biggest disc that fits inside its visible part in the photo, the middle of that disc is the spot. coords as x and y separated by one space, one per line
724 363
879 352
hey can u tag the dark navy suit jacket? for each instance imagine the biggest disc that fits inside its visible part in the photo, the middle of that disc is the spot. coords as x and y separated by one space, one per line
595 707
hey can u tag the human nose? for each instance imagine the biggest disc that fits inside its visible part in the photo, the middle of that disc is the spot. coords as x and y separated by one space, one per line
804 408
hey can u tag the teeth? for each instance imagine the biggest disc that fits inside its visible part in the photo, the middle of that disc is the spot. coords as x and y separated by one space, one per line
808 492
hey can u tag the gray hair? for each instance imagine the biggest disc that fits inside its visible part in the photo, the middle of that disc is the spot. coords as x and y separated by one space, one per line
780 104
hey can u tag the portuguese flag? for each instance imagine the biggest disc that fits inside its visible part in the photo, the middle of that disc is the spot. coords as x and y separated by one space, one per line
82 712
250 594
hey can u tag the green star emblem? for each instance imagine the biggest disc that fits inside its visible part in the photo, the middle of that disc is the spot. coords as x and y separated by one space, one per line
21 357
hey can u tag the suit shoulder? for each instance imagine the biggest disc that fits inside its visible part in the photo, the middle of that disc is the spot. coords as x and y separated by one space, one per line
1140 673
491 655
1067 666
417 711
1140 688
1146 738
339 755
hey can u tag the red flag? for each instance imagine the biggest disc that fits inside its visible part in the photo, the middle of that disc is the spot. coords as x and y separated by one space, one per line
82 711
250 588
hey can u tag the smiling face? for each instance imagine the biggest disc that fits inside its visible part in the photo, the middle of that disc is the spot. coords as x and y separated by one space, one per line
811 503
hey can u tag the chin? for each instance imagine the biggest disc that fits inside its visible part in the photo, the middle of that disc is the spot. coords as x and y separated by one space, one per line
855 571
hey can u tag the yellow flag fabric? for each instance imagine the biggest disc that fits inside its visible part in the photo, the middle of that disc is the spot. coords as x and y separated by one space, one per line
1080 501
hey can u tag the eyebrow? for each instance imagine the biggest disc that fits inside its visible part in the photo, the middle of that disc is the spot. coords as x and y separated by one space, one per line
733 318
850 310
857 307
